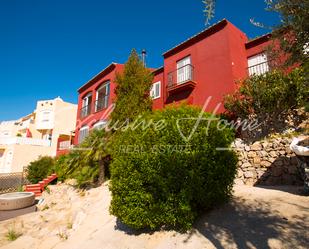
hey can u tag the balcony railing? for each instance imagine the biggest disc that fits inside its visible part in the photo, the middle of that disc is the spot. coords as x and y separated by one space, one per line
101 104
85 111
24 141
180 76
259 69
64 145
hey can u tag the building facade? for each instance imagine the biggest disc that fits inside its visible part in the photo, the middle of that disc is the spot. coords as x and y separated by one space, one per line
200 71
48 131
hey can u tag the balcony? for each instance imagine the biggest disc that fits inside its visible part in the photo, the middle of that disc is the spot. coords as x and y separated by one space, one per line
24 141
181 79
101 103
259 69
85 111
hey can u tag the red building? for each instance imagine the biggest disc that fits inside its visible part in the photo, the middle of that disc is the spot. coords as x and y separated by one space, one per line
206 65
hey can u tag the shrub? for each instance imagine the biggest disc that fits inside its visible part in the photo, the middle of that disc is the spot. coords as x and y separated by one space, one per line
12 235
87 162
40 169
160 180
269 98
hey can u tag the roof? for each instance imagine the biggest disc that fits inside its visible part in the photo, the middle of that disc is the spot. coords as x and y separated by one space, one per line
258 39
199 36
109 68
158 70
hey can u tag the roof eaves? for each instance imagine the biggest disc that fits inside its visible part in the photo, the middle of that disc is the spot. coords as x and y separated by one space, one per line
195 36
97 75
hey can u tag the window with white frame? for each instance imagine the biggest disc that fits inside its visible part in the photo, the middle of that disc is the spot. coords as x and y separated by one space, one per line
258 64
86 105
184 70
83 133
102 96
155 91
100 125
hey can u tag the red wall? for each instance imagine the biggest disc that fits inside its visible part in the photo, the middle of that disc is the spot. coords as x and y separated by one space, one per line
219 56
159 103
219 59
101 115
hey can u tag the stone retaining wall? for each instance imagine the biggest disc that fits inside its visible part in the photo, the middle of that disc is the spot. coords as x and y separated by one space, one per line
267 162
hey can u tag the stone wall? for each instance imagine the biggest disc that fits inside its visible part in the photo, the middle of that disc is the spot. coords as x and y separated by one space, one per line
267 162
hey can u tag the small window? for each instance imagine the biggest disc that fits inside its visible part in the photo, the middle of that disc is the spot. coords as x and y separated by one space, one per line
100 125
83 133
155 91
258 64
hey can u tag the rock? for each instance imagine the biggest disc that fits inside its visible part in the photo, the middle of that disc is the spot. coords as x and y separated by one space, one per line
247 148
282 152
294 160
277 171
251 154
292 169
256 146
249 174
246 165
271 159
278 162
273 153
265 164
240 173
238 182
256 160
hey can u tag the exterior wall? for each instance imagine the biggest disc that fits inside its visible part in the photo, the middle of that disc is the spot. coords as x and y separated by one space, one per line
94 117
8 129
24 154
159 102
219 56
218 59
17 152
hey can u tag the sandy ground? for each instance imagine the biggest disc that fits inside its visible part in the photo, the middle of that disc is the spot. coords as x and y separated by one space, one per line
255 218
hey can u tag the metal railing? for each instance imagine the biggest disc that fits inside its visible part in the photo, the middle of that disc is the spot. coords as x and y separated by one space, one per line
85 111
259 69
180 76
101 103
64 145
24 141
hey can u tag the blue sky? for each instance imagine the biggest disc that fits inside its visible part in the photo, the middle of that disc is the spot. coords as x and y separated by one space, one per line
49 48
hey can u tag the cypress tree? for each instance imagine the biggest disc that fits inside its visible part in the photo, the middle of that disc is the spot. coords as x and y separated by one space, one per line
132 91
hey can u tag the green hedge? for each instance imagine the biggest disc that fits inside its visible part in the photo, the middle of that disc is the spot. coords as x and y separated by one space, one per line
160 180
40 169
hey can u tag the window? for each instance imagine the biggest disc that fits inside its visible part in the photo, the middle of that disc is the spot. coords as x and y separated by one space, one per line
83 133
258 64
155 91
102 97
100 125
184 70
86 105
45 116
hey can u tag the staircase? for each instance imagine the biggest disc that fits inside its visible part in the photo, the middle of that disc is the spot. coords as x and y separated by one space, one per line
37 189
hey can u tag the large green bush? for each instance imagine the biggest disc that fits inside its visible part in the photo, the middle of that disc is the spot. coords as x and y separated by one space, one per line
158 179
40 169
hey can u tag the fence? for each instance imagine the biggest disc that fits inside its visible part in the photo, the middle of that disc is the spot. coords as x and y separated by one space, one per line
10 182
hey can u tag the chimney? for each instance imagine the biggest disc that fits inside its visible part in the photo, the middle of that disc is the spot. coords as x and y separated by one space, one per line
144 57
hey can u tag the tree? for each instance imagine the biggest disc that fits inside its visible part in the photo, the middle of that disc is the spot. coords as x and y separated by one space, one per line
88 162
293 31
209 10
132 90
